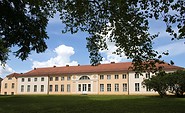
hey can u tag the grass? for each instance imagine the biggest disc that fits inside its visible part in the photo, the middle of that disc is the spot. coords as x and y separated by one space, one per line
90 104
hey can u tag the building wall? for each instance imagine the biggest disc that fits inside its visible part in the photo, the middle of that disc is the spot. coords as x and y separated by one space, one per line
34 81
56 83
112 83
9 86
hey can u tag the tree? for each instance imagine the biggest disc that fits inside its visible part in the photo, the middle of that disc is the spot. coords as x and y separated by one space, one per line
158 83
127 20
176 81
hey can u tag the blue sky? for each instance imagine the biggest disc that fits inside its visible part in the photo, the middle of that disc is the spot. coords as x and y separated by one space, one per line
71 49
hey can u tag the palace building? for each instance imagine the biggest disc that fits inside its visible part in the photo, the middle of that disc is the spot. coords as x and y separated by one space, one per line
112 78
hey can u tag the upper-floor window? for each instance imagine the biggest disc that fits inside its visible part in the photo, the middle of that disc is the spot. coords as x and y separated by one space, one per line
62 78
50 78
116 76
68 77
56 78
42 79
29 79
5 85
124 76
101 76
137 75
9 78
108 77
35 79
13 85
84 78
22 79
148 75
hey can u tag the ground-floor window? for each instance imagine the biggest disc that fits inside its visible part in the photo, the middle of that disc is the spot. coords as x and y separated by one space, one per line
22 88
68 88
148 88
56 88
124 87
108 87
50 88
5 93
89 87
12 93
28 88
136 86
42 88
35 88
62 88
101 87
79 87
116 87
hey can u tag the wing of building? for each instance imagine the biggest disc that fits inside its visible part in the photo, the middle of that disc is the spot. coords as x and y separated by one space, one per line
112 78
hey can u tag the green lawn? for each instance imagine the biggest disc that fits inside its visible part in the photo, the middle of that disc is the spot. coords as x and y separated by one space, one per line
91 104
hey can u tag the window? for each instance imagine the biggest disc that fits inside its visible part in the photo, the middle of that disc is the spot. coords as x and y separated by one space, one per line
101 87
108 87
35 88
50 78
35 79
101 77
68 87
22 88
5 85
116 77
124 76
12 93
28 88
42 79
56 78
84 78
116 87
62 78
13 85
136 86
50 88
124 87
79 87
42 88
108 77
137 75
5 93
9 78
29 79
68 77
22 79
56 88
148 75
62 88
89 87
148 88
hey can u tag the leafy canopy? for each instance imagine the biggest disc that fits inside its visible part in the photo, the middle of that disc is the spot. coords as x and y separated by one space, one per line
127 21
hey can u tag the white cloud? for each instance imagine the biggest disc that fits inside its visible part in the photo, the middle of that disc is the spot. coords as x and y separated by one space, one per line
5 71
63 54
174 49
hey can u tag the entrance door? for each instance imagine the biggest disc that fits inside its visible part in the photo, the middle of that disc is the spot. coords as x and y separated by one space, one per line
84 88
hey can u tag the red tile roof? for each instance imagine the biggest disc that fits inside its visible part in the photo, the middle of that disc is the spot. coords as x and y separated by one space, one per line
87 69
13 75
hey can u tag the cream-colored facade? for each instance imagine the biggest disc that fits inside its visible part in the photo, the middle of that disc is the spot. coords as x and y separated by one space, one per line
9 86
112 79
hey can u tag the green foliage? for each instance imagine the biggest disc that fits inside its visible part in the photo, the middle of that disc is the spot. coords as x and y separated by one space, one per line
127 21
158 83
90 104
163 82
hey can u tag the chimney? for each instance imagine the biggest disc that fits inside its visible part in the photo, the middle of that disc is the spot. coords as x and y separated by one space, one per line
78 64
35 68
67 65
112 62
54 66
